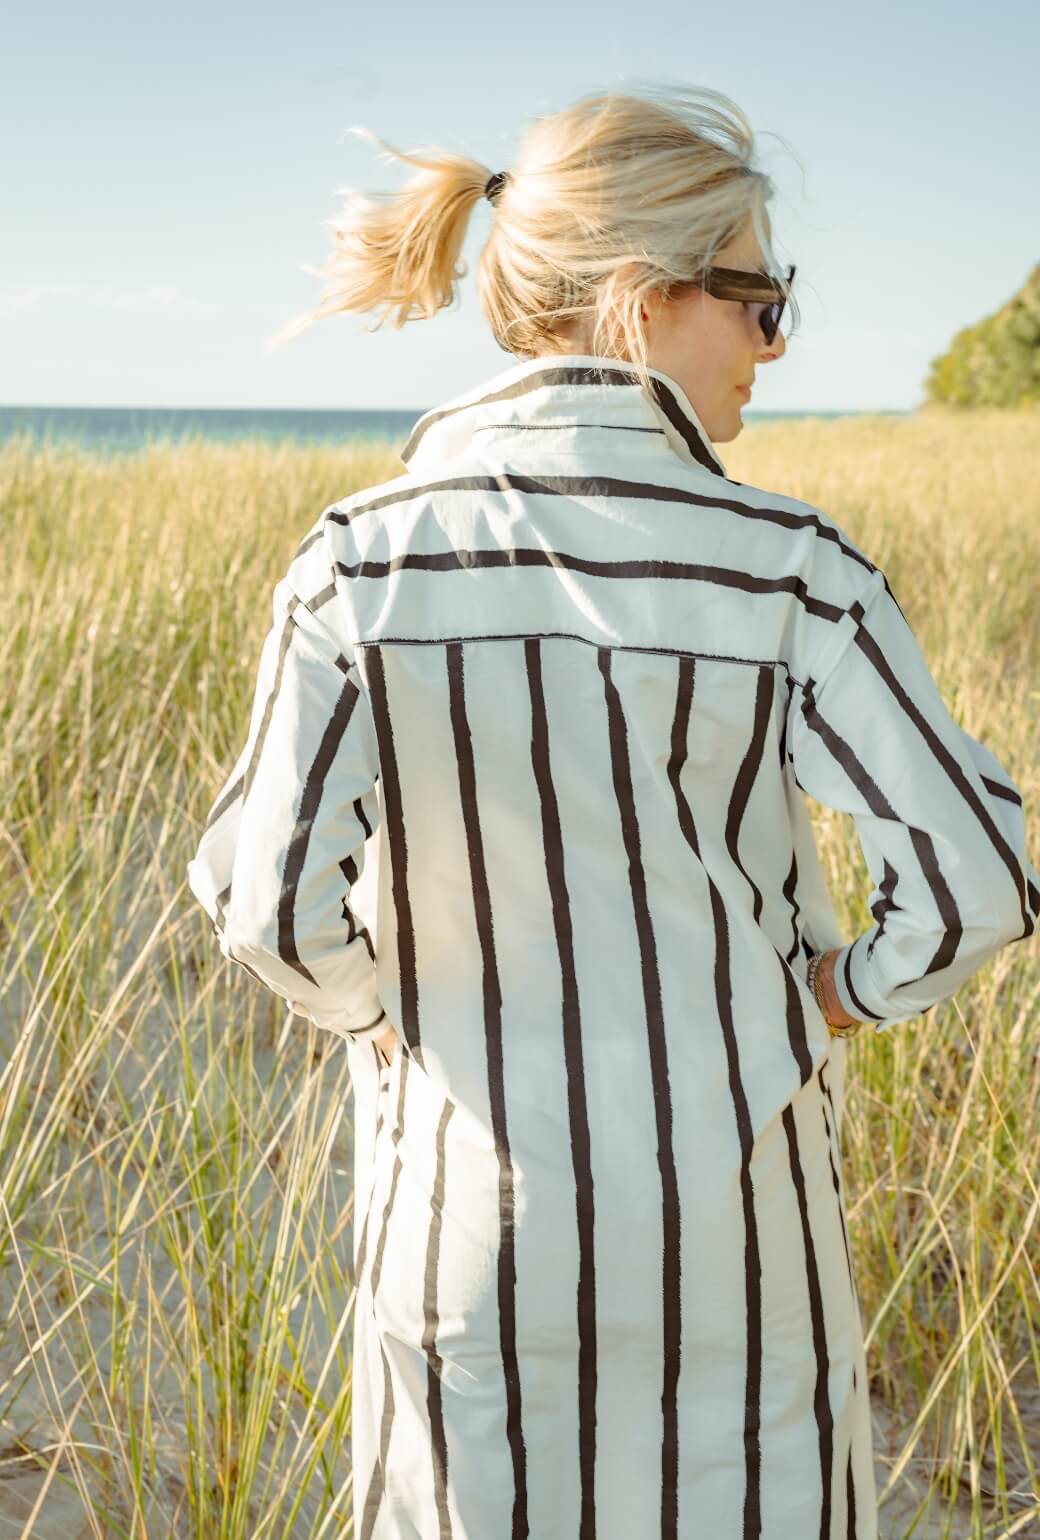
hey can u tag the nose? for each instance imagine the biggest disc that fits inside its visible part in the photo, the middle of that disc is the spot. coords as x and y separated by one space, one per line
767 351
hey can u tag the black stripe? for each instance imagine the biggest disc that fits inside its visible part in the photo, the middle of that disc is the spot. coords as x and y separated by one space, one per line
850 1487
377 1480
393 814
592 486
790 891
797 1035
869 647
396 1134
884 906
743 786
290 630
745 781
724 1003
359 1266
1000 790
563 425
672 1298
834 1156
349 867
245 781
581 1143
219 925
431 1320
242 785
373 1023
572 374
923 845
668 403
243 964
821 1398
496 1080
831 1126
359 814
790 684
465 560
234 792
861 1009
339 661
570 636
310 802
510 392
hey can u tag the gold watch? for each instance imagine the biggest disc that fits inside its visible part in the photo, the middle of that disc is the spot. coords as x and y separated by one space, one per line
813 980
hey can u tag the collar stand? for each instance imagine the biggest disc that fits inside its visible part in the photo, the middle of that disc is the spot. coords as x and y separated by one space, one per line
575 394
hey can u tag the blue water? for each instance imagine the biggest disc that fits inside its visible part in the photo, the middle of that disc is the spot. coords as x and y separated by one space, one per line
117 429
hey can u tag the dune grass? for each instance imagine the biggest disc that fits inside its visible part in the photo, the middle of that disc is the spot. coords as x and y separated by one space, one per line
176 1287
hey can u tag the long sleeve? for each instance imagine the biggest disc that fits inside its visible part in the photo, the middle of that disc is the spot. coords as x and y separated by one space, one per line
941 824
285 839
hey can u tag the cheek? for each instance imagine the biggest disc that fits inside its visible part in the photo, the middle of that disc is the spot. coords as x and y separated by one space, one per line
722 356
707 350
735 354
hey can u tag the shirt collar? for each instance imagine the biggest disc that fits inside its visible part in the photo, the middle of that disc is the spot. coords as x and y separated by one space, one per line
561 401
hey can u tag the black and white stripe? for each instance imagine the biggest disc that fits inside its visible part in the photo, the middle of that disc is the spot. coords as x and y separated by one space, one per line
563 688
577 1096
671 1311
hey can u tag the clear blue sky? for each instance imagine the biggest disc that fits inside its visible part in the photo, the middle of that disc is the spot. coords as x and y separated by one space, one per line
168 170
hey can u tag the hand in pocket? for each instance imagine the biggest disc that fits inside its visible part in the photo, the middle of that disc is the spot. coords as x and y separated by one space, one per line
386 1044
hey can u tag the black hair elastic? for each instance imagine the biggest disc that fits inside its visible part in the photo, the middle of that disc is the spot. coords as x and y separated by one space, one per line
494 184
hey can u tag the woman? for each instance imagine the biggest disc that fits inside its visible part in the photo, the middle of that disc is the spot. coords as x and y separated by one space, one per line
572 681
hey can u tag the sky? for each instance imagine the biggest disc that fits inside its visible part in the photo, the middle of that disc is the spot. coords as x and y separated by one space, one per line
169 171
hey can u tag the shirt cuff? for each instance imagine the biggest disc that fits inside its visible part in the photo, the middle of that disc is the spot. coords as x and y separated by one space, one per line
344 1026
849 985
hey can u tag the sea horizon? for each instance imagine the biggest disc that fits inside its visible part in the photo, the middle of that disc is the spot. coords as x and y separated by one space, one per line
122 429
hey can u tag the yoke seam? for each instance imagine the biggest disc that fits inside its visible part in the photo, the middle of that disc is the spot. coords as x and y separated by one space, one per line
520 636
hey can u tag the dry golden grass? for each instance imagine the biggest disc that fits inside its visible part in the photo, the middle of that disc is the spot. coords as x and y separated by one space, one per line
175 1260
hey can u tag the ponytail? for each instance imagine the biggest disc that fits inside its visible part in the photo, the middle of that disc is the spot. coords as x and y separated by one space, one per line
609 200
398 253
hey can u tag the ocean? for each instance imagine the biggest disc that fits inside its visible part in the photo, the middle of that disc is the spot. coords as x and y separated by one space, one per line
121 430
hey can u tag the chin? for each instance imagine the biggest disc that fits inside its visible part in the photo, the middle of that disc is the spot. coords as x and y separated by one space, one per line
727 438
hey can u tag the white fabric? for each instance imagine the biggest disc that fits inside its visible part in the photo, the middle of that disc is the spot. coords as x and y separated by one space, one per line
552 699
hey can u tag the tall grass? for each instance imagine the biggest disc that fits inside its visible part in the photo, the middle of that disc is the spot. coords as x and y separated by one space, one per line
176 1288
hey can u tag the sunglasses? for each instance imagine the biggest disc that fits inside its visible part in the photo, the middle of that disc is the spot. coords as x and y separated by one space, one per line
750 288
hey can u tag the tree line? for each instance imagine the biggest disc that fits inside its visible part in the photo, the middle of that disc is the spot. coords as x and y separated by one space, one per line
996 361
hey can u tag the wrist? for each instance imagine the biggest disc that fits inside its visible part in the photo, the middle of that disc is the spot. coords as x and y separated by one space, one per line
834 1011
386 1043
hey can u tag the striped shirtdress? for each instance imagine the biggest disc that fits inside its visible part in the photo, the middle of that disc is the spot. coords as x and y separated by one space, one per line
555 698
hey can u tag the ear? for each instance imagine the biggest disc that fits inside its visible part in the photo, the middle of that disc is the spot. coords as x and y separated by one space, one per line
630 270
653 303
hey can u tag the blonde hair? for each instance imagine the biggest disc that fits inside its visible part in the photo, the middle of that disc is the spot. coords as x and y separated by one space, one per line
616 196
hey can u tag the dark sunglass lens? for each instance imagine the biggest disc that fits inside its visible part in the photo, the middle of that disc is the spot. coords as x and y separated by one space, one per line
769 315
770 318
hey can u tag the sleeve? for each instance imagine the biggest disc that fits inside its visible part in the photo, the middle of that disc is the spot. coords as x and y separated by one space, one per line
941 824
285 838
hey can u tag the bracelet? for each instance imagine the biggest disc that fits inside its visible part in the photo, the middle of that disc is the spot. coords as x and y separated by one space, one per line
812 978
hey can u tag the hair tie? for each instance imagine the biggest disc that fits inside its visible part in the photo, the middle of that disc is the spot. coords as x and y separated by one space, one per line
494 184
